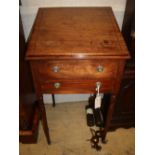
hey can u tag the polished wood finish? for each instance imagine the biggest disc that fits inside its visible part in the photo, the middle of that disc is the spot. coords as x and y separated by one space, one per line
129 22
28 115
124 112
77 41
77 86
75 69
30 133
128 31
81 33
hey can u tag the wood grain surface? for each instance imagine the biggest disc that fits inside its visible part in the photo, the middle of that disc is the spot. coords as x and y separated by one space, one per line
76 41
75 69
80 32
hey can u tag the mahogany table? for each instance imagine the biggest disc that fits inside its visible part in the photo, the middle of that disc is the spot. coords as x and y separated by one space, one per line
70 50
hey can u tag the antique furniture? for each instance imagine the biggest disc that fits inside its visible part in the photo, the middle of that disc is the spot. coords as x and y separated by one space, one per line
124 112
28 109
70 50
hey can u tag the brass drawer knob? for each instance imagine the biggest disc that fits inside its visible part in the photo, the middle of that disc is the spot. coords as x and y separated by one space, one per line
57 85
56 69
99 68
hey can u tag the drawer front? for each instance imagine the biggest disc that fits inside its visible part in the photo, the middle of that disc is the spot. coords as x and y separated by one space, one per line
76 86
76 69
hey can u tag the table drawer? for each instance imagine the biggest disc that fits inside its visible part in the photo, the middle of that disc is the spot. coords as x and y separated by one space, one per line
73 69
76 86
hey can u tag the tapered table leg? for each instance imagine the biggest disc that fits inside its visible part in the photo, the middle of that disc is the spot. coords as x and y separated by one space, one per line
44 119
53 98
108 117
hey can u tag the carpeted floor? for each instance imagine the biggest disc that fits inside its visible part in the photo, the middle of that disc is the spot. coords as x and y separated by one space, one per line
69 134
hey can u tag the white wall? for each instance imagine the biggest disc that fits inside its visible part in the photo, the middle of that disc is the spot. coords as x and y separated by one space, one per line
28 12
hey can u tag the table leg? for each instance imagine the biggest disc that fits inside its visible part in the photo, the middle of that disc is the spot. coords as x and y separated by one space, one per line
108 117
44 119
53 98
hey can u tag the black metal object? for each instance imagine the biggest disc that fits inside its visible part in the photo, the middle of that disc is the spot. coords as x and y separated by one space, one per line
95 139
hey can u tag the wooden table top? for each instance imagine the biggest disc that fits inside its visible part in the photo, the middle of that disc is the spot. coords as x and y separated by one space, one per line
76 32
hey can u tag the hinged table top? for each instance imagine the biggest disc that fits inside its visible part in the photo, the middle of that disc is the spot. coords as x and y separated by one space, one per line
76 32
